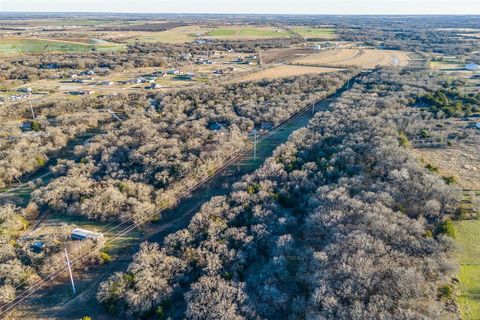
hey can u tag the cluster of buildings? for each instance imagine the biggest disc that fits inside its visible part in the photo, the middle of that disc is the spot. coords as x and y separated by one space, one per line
76 234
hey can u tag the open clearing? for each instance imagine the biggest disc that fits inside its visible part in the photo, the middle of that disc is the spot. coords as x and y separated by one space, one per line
364 58
460 160
469 275
309 32
285 71
10 46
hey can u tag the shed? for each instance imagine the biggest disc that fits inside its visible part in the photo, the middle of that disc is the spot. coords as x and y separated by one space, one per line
82 234
25 89
26 126
37 246
216 126
266 125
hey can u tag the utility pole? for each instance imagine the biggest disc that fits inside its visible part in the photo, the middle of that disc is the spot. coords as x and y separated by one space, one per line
70 271
255 146
31 107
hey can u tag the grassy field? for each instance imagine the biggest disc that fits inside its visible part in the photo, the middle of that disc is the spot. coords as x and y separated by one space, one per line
12 46
469 258
309 32
443 65
247 32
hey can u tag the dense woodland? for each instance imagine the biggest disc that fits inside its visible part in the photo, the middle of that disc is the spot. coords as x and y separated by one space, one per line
340 223
141 164
426 40
55 124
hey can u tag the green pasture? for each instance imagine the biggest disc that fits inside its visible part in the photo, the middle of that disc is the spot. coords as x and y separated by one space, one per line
16 46
468 255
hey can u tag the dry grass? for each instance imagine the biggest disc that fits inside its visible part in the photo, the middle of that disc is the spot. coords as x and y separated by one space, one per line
461 160
284 55
285 71
364 58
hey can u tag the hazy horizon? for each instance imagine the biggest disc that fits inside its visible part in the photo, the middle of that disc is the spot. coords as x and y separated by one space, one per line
326 7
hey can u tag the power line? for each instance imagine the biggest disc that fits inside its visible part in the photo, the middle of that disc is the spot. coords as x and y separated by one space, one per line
186 192
36 286
53 275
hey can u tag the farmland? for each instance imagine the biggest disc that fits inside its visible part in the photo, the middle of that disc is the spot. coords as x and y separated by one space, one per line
285 71
247 32
11 46
175 35
365 58
309 32
189 33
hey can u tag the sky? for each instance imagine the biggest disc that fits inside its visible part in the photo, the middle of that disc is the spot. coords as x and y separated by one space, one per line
248 6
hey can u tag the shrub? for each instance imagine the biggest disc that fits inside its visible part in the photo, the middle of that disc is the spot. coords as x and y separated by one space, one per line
447 228
36 126
425 134
403 140
450 180
41 161
105 257
445 291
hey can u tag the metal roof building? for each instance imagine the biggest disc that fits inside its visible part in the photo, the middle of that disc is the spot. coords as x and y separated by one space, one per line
82 234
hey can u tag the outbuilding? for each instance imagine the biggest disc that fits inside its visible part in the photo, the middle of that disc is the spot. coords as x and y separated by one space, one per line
82 234
266 126
37 246
472 67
